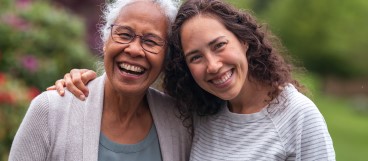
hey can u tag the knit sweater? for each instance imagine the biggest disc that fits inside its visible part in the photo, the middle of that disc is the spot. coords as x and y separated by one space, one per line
65 128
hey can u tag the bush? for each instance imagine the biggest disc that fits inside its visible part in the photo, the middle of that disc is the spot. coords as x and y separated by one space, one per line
14 98
328 36
39 43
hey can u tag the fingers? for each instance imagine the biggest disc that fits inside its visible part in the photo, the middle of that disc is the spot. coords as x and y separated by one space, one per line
72 84
88 75
59 86
81 77
75 82
51 88
78 81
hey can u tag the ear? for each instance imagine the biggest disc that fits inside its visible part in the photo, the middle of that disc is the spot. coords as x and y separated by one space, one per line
245 46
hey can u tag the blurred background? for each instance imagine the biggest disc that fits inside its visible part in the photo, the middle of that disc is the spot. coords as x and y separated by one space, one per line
41 40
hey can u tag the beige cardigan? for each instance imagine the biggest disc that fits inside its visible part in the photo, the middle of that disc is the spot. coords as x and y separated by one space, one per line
65 128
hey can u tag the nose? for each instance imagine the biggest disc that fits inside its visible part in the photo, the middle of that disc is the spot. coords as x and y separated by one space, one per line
213 64
134 48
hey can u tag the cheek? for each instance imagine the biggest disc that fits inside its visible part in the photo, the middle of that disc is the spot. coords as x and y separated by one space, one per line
157 61
197 72
112 48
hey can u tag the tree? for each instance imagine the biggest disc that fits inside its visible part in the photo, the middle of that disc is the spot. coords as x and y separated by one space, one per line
328 36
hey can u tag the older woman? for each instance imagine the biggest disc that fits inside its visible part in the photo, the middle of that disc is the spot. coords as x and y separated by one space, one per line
122 119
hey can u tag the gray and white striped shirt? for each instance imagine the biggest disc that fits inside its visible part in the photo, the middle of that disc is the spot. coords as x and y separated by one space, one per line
292 129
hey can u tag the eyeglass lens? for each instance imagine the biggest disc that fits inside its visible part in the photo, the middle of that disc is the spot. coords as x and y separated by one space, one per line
149 42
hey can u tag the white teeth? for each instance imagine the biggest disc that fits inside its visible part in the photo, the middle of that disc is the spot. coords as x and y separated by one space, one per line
131 67
223 79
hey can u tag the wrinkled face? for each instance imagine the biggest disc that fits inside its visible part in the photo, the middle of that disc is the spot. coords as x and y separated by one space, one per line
215 57
129 67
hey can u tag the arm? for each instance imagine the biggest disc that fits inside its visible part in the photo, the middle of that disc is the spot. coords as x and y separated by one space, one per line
303 129
75 82
316 142
32 140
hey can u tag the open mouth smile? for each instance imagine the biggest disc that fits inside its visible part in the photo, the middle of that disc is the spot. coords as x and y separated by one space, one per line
131 69
224 78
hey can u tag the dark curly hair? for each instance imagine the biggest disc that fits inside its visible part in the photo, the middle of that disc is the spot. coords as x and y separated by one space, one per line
266 65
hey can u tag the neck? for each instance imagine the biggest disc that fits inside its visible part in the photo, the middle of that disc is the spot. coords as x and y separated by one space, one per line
252 98
126 118
123 108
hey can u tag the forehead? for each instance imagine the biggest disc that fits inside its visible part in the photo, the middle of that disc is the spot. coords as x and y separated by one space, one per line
202 29
143 16
201 23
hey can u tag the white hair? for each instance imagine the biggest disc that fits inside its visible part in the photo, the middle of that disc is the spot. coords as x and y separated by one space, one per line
113 9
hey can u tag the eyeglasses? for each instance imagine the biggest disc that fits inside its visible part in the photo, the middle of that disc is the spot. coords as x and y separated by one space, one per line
124 35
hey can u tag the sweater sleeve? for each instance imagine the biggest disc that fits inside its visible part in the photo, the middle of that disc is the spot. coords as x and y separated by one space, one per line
31 141
316 142
303 128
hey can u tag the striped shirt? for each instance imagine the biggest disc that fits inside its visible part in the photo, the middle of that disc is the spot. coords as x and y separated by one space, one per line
292 129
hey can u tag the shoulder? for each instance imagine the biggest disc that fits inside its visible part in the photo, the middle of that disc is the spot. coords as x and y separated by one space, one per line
39 107
161 103
47 110
295 111
47 100
98 82
51 100
299 121
58 107
162 106
295 103
158 98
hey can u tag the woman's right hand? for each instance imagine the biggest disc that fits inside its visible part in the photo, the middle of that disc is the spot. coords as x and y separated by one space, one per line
75 82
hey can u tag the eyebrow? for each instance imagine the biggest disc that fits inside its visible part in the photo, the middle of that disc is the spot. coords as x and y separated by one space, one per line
209 44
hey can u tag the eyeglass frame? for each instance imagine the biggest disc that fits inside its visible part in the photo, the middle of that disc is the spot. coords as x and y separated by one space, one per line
141 38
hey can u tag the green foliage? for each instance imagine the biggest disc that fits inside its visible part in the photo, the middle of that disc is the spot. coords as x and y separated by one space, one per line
347 127
39 43
328 36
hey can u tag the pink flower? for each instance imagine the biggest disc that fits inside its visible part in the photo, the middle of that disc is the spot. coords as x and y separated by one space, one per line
23 3
15 21
30 63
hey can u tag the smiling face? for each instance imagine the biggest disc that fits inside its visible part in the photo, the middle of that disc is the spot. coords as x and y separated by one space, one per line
129 68
215 57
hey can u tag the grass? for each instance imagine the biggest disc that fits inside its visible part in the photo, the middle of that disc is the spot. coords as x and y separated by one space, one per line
348 127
